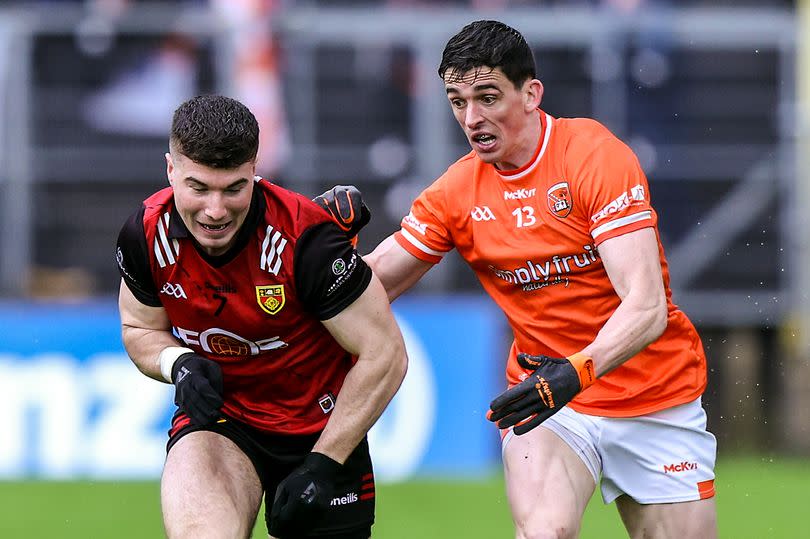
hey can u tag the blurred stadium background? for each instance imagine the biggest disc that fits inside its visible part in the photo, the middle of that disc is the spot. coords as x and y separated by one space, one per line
712 95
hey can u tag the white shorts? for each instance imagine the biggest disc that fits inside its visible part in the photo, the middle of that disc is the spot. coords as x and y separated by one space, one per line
662 457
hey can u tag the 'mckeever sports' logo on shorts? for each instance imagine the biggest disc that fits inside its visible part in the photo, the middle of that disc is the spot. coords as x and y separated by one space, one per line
680 467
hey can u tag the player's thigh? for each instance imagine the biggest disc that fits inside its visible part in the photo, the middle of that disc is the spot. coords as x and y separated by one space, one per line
664 457
685 520
209 488
547 483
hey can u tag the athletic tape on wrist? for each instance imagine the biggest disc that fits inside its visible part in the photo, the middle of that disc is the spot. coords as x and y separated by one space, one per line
585 369
167 357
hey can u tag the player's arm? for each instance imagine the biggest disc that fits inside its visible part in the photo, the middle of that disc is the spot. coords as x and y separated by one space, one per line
337 286
355 310
145 331
397 269
633 265
145 326
367 329
147 336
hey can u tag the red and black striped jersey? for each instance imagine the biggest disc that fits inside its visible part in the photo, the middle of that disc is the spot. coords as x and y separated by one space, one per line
256 309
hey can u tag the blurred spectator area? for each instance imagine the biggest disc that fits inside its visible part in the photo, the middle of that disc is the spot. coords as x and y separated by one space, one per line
87 179
701 94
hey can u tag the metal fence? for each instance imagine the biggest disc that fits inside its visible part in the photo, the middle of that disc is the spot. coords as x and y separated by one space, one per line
705 97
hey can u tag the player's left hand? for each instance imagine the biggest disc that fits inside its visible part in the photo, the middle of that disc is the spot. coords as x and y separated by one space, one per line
345 204
303 497
554 382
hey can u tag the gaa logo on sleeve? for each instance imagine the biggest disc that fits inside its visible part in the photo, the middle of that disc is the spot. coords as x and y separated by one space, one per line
270 297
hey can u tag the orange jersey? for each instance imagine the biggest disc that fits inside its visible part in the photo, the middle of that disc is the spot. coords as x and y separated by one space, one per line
531 235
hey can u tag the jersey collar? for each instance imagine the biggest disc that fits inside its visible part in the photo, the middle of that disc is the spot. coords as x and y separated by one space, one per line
545 128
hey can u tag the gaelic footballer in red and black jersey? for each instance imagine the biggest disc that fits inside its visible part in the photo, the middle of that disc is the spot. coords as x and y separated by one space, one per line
255 309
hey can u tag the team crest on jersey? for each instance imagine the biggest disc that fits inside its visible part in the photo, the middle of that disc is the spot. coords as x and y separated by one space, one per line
270 297
559 200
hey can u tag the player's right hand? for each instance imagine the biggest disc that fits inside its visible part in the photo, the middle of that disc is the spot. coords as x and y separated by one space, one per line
345 204
198 388
303 497
554 382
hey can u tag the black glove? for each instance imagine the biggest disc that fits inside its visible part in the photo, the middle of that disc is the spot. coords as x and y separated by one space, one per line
552 385
198 388
303 497
345 204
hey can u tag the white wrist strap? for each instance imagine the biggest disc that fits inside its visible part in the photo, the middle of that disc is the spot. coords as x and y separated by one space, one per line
167 357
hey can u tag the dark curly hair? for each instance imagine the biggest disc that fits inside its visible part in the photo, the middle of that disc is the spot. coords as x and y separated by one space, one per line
215 131
488 44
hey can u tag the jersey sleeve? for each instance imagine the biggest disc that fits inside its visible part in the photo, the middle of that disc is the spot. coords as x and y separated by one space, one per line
329 274
613 191
424 232
133 261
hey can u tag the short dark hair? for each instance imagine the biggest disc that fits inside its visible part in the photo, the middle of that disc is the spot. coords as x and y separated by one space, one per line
215 131
490 44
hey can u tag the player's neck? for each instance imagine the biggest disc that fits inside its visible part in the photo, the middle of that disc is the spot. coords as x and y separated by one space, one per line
527 146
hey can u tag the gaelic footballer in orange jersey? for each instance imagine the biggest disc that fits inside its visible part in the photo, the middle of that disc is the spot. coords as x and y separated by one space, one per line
554 217
532 236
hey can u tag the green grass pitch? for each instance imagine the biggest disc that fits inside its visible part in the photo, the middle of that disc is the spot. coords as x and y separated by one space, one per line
756 498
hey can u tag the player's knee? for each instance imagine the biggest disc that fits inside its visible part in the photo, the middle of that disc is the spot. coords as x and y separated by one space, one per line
545 530
209 526
203 531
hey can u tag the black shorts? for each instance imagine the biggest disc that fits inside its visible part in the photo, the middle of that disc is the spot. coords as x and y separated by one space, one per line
351 514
